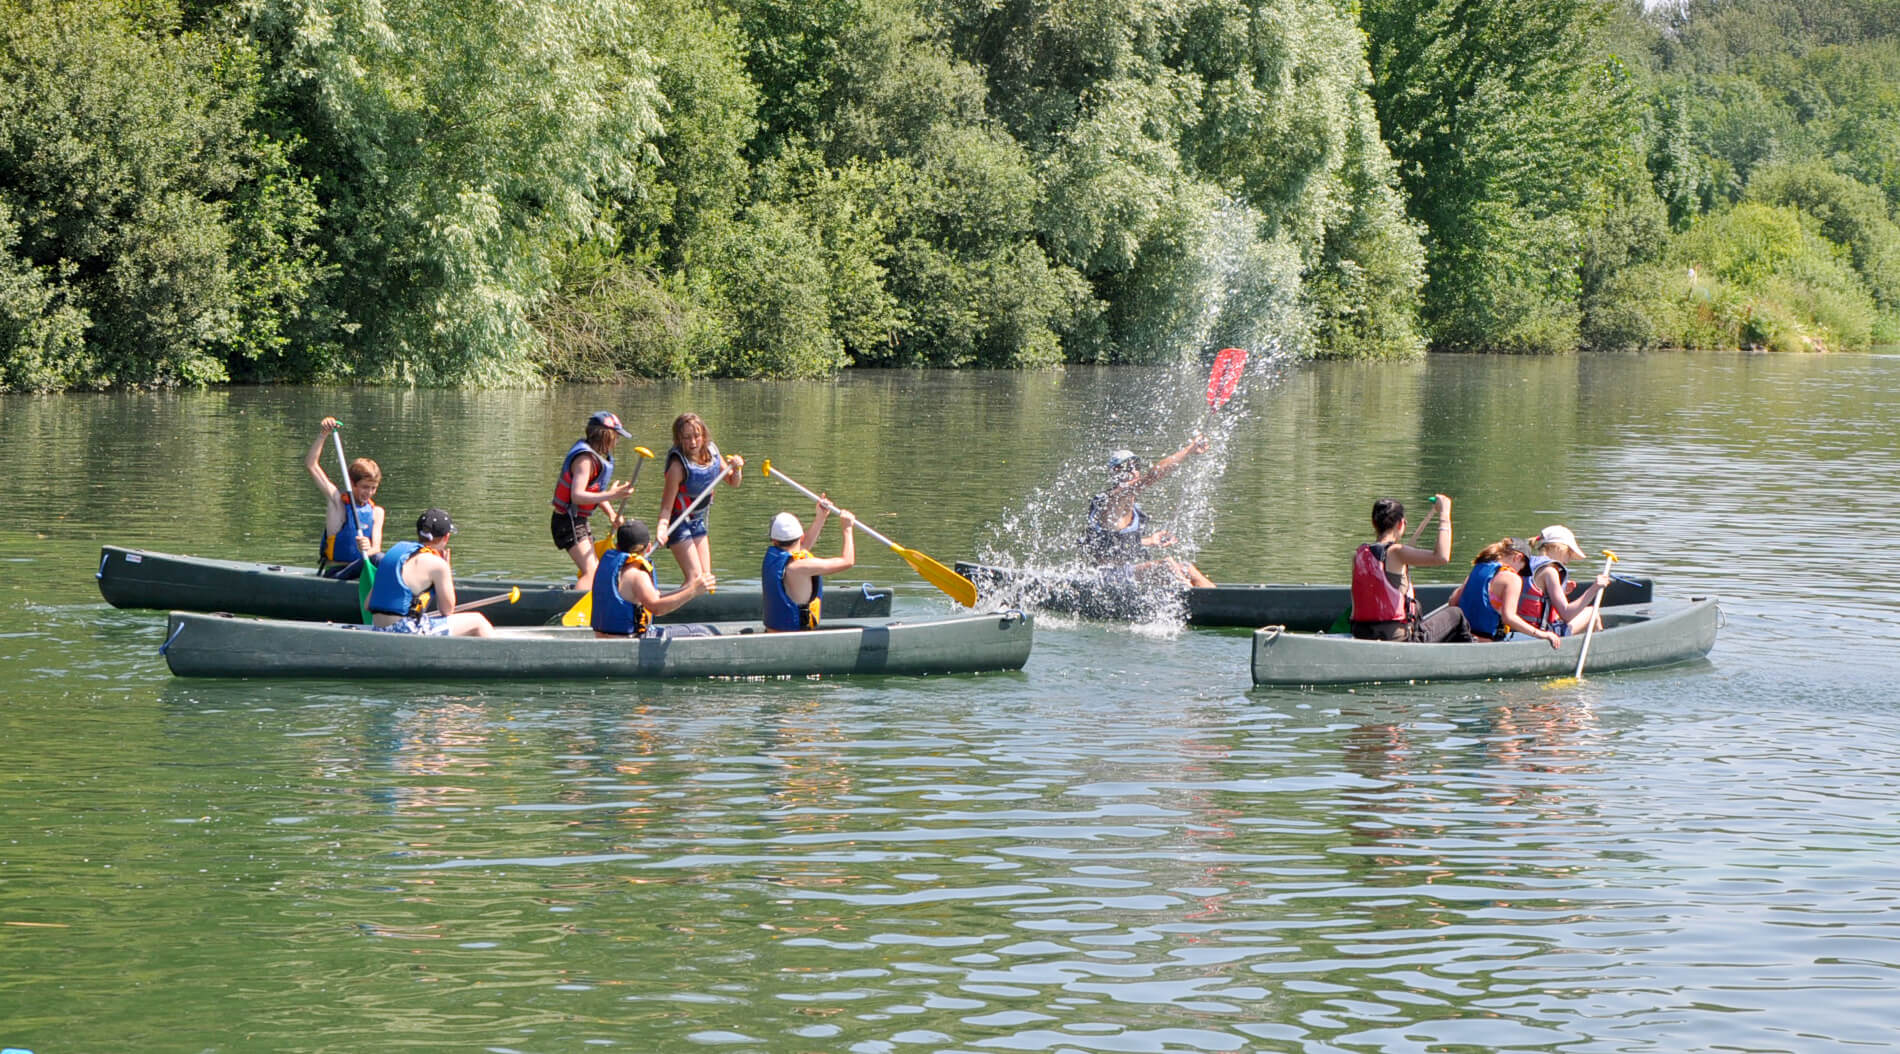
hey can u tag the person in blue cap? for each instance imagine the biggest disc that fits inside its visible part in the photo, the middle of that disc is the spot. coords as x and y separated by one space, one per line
587 482
1118 539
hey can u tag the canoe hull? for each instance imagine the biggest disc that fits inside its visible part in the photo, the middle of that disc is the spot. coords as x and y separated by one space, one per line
1301 608
1654 634
135 578
199 645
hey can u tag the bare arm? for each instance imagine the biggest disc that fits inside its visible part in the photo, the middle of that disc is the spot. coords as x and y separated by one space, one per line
376 531
1565 607
442 583
638 586
583 491
1171 462
1513 586
817 524
831 565
735 467
311 459
1412 556
675 476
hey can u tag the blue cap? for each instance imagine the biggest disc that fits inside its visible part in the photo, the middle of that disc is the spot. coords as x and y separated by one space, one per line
609 419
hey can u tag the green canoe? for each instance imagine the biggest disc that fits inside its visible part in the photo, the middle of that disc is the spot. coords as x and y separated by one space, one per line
1653 634
1297 607
135 578
199 645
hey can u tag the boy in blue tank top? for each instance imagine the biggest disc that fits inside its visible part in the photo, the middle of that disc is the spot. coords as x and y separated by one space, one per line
411 574
352 523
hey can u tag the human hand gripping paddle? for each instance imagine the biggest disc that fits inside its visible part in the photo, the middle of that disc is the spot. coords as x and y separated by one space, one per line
1595 607
582 613
602 545
955 586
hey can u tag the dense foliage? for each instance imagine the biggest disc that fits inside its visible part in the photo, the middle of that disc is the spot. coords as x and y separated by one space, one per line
496 191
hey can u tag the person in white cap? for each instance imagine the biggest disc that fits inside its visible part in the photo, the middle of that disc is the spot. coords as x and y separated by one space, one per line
1546 602
791 578
1117 538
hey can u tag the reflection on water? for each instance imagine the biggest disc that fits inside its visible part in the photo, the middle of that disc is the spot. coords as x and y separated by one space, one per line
1123 848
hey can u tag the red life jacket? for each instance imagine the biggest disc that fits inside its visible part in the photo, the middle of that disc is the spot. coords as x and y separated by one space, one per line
564 486
1374 597
1534 607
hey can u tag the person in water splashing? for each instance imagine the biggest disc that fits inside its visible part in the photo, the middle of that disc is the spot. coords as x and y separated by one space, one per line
1118 539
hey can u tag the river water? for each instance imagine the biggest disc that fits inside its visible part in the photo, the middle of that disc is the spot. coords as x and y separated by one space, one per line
1123 848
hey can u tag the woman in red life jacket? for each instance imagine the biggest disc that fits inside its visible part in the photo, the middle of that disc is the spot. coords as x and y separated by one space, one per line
586 482
1384 605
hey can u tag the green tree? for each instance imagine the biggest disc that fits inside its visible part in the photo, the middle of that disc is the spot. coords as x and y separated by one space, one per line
460 145
1510 124
146 216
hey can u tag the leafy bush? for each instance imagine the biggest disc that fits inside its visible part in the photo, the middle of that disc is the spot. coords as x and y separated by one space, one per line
160 228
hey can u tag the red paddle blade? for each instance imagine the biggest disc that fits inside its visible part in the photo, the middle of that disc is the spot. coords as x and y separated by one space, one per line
1228 366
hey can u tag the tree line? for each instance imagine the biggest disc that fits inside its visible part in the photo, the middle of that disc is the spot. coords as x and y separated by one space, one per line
508 191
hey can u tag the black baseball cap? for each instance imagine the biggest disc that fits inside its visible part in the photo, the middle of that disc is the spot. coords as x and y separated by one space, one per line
434 524
632 537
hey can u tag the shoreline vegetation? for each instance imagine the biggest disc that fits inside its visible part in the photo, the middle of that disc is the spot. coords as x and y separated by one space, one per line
512 192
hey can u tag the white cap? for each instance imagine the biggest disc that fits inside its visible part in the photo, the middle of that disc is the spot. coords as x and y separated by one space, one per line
786 528
1558 534
1120 458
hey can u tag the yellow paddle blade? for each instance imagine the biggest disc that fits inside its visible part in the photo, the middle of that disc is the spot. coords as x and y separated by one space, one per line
582 613
955 586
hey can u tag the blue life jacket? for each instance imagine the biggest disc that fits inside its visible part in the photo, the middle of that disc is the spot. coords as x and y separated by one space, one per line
614 613
564 485
781 614
697 479
1475 602
1107 546
391 595
341 548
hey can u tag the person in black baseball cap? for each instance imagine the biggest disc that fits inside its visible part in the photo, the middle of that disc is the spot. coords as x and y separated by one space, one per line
625 597
410 573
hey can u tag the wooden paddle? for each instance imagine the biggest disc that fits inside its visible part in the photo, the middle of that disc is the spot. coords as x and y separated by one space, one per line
513 594
955 586
1596 606
582 613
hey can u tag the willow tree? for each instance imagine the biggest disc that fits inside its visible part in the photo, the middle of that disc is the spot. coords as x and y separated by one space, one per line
1208 166
459 144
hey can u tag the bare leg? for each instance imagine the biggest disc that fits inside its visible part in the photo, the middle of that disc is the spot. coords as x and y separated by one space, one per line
582 553
687 554
470 624
1193 575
